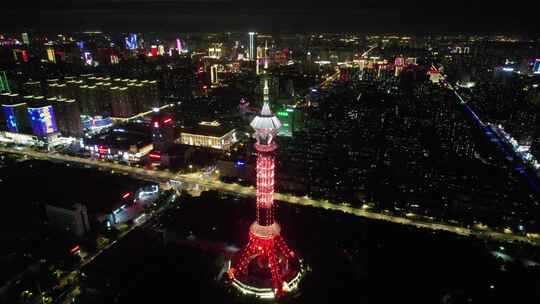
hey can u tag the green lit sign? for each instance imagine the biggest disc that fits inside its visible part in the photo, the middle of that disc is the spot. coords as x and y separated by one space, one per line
283 114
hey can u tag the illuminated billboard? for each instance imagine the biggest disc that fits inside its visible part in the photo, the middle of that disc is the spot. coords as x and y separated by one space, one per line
536 67
42 120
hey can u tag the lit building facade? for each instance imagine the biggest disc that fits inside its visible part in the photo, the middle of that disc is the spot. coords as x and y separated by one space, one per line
16 117
252 41
42 118
208 135
214 78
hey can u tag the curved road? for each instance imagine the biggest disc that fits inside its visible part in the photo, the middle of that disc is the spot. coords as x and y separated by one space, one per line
159 175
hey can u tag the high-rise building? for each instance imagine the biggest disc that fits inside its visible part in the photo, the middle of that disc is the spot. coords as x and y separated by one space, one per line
179 46
266 251
15 113
103 94
42 117
291 119
215 50
88 100
51 56
163 134
25 38
214 79
32 88
121 105
252 45
131 42
154 50
535 146
68 116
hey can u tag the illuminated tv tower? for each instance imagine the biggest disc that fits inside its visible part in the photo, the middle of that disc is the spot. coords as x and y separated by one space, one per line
266 267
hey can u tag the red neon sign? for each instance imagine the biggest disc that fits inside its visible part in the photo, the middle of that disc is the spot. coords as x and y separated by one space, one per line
75 249
168 120
155 156
126 195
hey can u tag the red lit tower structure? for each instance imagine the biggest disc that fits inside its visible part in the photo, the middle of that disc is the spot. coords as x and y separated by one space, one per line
266 266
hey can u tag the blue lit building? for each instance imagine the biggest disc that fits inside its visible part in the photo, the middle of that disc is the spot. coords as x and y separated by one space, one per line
42 120
15 116
131 42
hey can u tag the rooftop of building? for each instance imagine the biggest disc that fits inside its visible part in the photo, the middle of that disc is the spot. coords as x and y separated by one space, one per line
207 128
123 136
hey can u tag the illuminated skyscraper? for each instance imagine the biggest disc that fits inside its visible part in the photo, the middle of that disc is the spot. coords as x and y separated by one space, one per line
42 117
50 55
15 113
266 267
252 45
214 79
179 46
131 42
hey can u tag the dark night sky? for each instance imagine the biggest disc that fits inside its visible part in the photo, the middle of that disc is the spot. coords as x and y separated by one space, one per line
384 16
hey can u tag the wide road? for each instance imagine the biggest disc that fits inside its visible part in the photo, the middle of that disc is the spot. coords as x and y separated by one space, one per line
195 179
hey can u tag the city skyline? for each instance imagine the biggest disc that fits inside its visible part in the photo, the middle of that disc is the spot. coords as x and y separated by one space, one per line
303 152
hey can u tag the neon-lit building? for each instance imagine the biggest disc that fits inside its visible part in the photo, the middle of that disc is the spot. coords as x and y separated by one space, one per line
16 117
266 251
154 51
209 135
127 142
132 42
536 67
179 46
42 118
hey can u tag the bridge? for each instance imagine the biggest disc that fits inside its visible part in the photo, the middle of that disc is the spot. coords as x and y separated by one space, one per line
213 184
